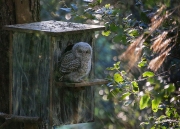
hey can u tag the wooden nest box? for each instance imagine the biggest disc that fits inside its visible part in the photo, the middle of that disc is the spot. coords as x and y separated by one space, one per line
35 50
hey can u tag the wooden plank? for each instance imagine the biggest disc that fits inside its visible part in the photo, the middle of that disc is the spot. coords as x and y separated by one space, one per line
51 81
82 84
53 27
10 72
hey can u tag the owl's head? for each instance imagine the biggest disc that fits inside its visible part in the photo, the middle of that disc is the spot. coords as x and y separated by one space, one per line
82 50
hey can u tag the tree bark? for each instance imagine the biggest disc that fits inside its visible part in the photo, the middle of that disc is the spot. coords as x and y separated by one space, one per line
12 12
7 16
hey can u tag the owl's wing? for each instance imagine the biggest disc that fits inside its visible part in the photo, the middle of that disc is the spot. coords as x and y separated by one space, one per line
69 63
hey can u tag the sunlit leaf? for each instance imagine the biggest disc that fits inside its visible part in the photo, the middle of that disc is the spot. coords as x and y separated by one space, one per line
107 5
123 73
106 33
155 104
148 74
144 123
133 32
142 63
153 127
162 117
135 86
118 78
125 95
168 112
144 101
117 65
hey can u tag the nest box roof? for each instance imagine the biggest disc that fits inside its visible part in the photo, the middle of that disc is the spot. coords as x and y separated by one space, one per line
53 27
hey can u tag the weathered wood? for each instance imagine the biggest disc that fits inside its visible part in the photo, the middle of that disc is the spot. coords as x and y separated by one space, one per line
31 74
9 14
20 118
6 17
36 50
10 72
94 82
53 27
71 105
9 118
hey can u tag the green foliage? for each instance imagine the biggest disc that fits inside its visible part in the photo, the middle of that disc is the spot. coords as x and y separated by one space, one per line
144 101
142 63
118 78
153 99
106 33
148 74
155 104
135 86
125 95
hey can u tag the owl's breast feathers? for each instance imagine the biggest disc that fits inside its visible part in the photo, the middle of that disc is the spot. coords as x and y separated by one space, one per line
69 63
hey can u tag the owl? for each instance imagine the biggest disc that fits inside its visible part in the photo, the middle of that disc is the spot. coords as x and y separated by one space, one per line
76 63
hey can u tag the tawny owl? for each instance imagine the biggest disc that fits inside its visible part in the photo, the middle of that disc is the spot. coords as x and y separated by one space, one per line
76 63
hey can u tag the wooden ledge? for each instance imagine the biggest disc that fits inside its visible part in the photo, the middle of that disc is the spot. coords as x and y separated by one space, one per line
82 84
53 27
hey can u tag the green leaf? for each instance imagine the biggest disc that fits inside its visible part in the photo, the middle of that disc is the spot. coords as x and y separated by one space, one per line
107 5
148 74
125 95
117 65
133 32
155 104
144 101
99 1
106 33
168 112
114 93
142 63
113 27
135 86
144 123
153 127
162 117
117 38
171 88
118 78
110 68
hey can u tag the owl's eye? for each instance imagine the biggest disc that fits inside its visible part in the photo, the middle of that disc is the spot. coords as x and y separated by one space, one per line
87 52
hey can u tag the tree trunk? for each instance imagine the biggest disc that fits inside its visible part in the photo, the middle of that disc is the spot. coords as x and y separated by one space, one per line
7 16
12 12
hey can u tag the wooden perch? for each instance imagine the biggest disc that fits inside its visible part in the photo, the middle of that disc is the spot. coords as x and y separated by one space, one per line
94 82
8 118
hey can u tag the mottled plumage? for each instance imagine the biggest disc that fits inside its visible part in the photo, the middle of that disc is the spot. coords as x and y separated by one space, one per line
76 63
